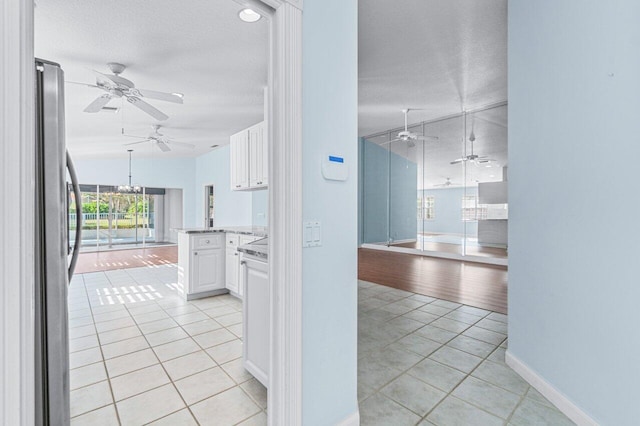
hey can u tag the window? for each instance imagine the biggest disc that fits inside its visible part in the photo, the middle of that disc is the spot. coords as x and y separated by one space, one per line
426 209
471 210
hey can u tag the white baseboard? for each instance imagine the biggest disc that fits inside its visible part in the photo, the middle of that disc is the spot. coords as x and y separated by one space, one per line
352 419
557 398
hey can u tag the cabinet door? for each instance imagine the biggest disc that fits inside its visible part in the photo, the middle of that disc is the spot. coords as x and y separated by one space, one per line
265 155
239 161
207 270
256 321
231 270
255 165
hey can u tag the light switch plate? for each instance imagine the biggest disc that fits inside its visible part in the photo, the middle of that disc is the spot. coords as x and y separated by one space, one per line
311 234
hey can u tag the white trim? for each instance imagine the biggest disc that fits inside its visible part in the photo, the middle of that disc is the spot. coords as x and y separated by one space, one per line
352 420
557 398
437 254
285 214
17 228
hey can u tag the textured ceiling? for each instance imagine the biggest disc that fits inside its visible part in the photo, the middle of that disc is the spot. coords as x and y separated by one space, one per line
442 57
199 48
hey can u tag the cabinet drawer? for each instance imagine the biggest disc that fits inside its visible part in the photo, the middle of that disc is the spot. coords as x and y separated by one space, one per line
232 240
207 241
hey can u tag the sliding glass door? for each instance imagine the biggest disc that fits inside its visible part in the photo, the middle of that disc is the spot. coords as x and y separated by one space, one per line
112 219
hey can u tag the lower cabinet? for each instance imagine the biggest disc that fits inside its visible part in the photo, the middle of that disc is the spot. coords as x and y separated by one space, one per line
207 273
234 279
201 264
232 270
256 324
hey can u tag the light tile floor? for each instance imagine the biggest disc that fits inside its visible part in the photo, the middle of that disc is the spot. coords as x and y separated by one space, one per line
141 354
428 361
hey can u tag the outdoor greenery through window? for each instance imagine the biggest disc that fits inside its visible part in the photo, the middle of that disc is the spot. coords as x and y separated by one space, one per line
426 210
471 210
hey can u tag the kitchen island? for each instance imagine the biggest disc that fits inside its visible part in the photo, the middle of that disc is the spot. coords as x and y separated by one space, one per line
205 267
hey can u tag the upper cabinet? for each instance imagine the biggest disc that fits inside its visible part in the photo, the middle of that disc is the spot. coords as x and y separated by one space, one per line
250 158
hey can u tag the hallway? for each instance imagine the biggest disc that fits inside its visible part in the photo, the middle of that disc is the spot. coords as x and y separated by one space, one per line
428 361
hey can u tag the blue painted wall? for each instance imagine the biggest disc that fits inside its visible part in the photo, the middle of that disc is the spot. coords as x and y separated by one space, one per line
260 208
232 208
375 164
448 212
574 285
329 286
176 173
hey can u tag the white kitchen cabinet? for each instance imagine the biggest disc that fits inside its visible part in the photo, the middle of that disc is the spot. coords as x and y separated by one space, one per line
239 166
234 279
232 270
258 156
256 324
249 158
201 264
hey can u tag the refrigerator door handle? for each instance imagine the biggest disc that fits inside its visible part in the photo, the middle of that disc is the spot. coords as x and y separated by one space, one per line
78 198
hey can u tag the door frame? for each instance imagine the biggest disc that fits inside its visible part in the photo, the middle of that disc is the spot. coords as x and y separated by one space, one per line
285 210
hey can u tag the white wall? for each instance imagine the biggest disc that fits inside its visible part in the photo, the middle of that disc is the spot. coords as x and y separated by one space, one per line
330 123
176 173
574 284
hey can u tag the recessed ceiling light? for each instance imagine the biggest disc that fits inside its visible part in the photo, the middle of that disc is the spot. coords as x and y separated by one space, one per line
249 15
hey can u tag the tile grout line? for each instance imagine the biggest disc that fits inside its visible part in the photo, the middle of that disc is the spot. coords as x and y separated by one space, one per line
483 359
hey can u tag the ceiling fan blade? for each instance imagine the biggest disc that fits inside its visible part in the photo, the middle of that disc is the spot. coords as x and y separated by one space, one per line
426 138
135 143
161 96
163 146
458 161
391 141
83 84
186 145
151 110
97 104
134 136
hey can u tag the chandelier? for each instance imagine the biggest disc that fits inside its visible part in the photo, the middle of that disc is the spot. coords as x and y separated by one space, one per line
129 188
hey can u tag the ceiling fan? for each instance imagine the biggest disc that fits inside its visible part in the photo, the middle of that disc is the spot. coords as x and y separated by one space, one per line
409 137
119 87
447 183
473 158
164 144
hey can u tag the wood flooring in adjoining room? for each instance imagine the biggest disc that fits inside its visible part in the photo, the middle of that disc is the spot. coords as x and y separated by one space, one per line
474 284
110 260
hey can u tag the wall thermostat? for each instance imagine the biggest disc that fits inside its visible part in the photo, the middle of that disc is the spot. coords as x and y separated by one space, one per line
334 168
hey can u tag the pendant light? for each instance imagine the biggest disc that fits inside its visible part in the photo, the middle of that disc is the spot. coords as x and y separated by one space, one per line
129 188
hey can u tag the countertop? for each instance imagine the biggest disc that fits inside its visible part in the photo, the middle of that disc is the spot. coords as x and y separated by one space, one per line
258 248
258 231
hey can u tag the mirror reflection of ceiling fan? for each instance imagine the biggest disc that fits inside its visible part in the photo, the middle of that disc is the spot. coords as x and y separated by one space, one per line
446 184
472 158
409 137
119 87
159 140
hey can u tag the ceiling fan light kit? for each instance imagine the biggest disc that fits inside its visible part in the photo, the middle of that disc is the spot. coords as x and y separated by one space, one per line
158 139
116 86
408 136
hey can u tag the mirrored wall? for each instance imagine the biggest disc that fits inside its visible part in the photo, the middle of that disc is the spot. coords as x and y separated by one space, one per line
440 191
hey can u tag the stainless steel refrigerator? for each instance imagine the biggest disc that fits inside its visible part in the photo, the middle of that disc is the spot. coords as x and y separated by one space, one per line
55 258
